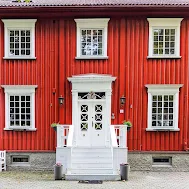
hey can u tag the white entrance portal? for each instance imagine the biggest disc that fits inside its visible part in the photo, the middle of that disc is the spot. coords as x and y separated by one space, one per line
91 148
91 109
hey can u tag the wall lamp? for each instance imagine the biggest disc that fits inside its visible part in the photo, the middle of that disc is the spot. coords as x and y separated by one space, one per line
61 99
122 100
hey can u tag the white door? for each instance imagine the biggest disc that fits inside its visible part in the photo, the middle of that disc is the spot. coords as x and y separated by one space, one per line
91 123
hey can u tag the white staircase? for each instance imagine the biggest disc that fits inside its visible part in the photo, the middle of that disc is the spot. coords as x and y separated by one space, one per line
91 164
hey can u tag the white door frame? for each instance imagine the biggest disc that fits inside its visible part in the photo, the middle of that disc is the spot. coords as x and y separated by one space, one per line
94 83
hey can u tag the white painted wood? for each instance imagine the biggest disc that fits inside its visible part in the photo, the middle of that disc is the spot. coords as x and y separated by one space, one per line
2 161
94 83
64 135
70 136
164 89
19 90
91 136
120 156
89 160
25 24
121 135
91 157
63 156
113 136
161 23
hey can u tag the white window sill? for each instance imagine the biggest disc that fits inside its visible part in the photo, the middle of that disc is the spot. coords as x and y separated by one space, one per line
19 58
91 58
20 165
162 129
161 165
166 57
18 129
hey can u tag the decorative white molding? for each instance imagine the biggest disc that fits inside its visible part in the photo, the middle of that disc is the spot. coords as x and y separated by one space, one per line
25 24
95 83
164 23
164 89
19 90
96 23
88 78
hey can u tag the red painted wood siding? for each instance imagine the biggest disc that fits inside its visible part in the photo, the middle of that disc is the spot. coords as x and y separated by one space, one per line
127 51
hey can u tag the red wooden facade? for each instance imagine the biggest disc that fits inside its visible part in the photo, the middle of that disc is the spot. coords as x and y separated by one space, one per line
127 51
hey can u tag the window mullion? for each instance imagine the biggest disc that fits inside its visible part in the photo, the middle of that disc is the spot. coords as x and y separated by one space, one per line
92 42
162 109
19 42
9 111
164 41
20 110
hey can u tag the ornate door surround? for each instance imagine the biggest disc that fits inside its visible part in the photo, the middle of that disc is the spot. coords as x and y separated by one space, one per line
91 93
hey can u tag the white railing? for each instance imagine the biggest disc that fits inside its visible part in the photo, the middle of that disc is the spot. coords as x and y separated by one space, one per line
119 135
2 160
65 135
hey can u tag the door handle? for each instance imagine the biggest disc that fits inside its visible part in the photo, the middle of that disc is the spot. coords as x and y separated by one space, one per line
92 123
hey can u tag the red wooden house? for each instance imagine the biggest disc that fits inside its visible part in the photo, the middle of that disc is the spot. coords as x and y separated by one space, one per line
90 66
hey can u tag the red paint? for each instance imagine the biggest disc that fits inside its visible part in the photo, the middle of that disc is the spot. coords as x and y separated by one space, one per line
127 51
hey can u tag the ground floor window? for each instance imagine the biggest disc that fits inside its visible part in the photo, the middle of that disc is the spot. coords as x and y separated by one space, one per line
163 107
19 106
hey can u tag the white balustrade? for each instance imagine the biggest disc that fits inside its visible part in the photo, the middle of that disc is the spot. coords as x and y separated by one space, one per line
64 135
119 135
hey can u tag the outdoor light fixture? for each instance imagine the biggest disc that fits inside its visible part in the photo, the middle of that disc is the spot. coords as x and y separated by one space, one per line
61 99
122 100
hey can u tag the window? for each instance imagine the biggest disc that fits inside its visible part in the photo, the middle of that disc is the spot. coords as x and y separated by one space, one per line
92 38
19 38
163 105
20 159
19 107
164 37
161 161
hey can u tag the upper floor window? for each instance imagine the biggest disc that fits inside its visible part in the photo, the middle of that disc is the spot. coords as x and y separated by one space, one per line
19 107
19 38
164 37
163 106
92 38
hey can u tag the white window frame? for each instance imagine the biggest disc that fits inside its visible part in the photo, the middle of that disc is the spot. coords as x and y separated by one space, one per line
97 23
164 23
19 24
163 89
19 90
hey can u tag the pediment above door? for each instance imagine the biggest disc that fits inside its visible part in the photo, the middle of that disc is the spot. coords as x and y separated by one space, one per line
91 76
91 82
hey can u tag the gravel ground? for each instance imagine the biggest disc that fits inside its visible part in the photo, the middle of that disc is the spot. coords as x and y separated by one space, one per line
137 180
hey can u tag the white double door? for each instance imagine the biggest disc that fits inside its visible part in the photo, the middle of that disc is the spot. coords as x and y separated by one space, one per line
91 123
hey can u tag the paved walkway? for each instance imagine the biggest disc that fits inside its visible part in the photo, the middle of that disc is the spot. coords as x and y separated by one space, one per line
137 180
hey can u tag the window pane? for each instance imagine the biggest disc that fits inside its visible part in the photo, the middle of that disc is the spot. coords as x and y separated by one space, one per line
154 98
164 41
154 117
94 44
153 123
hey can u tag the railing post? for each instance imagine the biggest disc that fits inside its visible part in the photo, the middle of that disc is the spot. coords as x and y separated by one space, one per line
59 136
123 133
119 135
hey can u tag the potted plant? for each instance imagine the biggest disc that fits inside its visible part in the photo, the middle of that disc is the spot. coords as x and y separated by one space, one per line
54 125
128 123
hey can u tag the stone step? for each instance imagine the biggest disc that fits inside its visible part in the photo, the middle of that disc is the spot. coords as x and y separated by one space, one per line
93 177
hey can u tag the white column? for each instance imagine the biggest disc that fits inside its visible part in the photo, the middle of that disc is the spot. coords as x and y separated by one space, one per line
108 117
75 115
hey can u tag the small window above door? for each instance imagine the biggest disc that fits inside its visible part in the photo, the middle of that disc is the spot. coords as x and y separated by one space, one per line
91 95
